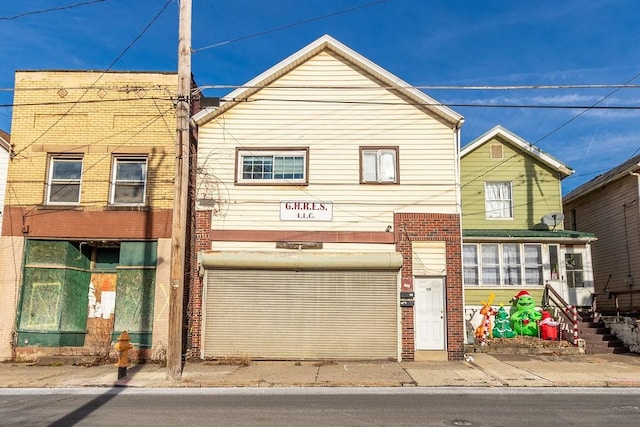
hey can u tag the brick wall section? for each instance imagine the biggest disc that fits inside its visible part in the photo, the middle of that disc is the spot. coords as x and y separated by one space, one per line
30 221
433 227
118 113
202 243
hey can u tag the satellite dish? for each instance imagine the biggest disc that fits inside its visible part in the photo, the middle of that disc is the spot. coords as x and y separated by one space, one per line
552 220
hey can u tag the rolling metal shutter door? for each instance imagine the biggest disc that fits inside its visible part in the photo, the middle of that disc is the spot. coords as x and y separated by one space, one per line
271 314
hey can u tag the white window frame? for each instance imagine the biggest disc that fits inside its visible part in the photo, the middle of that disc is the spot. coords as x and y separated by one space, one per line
379 165
471 267
498 200
275 155
54 183
117 181
489 264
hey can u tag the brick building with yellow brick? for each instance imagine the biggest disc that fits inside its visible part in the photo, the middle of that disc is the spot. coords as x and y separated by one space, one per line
86 236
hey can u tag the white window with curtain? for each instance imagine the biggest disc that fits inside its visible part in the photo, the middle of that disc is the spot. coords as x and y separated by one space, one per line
490 264
512 267
503 264
533 264
470 265
378 165
498 200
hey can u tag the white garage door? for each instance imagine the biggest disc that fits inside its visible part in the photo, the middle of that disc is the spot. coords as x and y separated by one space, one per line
284 314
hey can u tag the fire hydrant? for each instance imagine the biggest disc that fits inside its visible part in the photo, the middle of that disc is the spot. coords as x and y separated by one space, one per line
122 347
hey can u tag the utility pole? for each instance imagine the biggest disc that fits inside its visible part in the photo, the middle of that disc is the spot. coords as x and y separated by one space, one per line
180 201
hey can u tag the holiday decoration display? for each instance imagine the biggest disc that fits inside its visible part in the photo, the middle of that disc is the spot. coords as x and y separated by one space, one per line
484 330
501 324
524 320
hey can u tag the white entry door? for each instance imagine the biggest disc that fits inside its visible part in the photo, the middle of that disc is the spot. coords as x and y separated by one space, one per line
429 312
578 276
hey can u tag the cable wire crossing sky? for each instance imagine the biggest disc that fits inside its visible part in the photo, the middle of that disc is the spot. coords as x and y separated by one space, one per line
562 76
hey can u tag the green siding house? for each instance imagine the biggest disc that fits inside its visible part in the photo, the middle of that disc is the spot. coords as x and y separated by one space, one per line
512 226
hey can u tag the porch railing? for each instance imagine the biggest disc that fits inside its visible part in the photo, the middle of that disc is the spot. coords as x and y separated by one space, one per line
567 314
615 296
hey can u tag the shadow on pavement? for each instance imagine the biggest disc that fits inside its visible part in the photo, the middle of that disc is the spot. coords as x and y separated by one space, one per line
85 410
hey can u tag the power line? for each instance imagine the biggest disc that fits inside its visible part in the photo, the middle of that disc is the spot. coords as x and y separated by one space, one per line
436 104
53 9
100 76
284 27
587 109
426 87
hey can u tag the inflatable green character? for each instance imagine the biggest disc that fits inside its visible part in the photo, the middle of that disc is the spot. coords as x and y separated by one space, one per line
502 328
524 320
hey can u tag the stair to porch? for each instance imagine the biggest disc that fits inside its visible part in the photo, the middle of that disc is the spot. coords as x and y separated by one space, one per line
598 338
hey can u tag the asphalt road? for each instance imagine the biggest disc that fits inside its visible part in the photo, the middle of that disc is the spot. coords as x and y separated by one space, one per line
320 407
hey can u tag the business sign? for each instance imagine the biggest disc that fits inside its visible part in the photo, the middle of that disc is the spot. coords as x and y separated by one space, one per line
294 210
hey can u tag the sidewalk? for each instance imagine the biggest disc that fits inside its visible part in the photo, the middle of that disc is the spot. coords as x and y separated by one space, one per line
480 370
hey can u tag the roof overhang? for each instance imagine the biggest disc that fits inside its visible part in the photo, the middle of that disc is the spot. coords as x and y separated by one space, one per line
516 141
528 236
328 43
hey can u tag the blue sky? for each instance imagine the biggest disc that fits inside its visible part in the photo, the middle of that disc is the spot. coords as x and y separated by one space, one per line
431 43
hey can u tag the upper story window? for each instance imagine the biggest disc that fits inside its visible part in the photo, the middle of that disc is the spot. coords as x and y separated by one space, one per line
129 180
498 199
379 165
272 166
65 178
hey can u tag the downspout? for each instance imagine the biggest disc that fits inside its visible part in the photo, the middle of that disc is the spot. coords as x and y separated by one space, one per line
456 135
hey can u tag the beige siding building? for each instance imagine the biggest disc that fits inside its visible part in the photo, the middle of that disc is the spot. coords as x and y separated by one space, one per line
329 188
608 206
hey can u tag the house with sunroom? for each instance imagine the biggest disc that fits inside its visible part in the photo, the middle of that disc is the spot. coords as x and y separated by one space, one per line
513 226
328 216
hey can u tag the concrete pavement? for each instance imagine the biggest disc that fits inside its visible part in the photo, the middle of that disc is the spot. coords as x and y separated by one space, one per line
479 370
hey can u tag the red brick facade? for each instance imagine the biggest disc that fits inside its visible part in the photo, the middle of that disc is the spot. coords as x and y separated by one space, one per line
433 227
409 228
194 312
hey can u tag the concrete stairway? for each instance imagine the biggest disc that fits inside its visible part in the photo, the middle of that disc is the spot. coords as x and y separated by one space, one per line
598 338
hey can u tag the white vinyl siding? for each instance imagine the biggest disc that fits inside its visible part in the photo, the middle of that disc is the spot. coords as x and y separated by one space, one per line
611 213
333 122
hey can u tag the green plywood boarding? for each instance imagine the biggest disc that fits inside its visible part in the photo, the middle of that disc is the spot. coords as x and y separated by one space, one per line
138 254
135 292
53 305
134 302
107 259
73 316
42 296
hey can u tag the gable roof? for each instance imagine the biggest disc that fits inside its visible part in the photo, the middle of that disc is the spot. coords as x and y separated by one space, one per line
5 141
519 143
630 166
328 43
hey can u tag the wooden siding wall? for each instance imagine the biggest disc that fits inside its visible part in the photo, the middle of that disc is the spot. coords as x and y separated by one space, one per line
613 214
333 123
536 187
